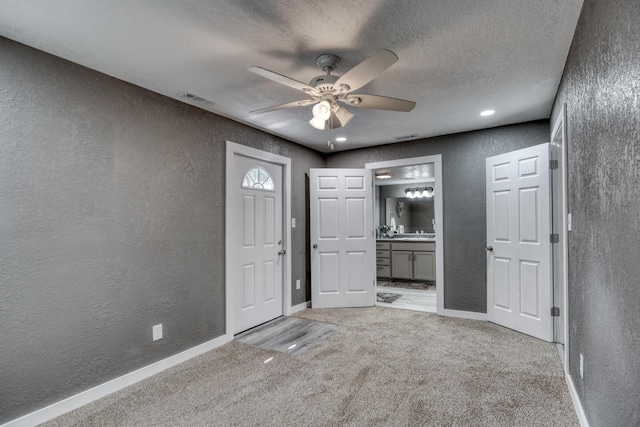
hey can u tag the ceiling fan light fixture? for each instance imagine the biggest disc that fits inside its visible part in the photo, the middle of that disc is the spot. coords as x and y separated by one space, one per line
341 115
316 123
322 110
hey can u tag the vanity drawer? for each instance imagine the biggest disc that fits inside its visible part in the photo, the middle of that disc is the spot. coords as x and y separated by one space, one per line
383 261
414 246
383 271
383 254
383 245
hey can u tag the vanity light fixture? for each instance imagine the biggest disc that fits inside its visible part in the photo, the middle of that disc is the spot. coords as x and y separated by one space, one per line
419 192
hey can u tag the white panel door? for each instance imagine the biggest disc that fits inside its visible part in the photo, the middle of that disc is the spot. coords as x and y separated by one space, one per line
519 288
342 238
257 253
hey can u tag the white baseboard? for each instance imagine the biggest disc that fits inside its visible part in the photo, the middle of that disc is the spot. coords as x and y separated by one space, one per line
52 411
300 307
464 314
582 417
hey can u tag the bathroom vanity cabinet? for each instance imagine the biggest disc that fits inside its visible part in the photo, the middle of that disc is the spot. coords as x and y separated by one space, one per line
413 260
383 259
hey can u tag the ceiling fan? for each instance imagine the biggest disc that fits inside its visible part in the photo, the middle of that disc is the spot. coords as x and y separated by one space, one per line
329 91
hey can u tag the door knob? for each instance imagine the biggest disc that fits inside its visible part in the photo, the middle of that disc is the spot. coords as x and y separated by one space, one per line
489 248
315 246
282 252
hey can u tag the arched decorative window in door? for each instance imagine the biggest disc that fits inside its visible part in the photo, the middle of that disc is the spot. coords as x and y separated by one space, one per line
257 179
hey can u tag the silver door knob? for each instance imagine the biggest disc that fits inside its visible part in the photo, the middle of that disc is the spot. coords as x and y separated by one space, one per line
282 252
489 248
315 246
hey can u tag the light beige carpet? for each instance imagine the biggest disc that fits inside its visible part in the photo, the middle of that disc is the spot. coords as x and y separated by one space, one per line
381 367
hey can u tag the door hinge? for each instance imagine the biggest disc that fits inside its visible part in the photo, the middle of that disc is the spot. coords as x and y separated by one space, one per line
555 238
555 312
553 164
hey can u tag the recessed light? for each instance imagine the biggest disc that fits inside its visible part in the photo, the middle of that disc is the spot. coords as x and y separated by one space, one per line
488 112
341 139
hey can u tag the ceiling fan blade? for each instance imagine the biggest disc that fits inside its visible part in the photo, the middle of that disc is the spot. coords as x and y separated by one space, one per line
339 117
287 105
378 102
279 78
366 71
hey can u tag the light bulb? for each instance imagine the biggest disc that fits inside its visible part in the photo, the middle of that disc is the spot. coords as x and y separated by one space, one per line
322 110
318 124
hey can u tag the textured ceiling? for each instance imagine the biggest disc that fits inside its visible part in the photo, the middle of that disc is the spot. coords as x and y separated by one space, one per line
457 57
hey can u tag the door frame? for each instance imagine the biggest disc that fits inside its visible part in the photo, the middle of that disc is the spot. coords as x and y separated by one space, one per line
232 149
439 229
560 128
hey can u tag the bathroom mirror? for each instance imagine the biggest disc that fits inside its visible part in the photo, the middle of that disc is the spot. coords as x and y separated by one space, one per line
412 214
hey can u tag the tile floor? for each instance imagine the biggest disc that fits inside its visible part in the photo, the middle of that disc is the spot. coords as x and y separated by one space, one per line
287 334
412 299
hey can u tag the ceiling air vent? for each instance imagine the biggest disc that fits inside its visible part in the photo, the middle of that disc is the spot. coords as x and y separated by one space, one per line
195 98
402 138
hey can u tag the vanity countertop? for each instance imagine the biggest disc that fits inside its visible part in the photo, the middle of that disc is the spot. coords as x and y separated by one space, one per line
406 239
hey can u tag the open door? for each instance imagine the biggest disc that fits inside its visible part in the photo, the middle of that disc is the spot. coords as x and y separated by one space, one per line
342 238
519 241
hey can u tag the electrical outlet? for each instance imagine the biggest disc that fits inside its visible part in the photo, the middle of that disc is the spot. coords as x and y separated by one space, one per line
157 332
298 285
569 222
581 366
293 223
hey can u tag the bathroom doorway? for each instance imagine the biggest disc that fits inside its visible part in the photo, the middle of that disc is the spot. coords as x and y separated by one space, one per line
409 242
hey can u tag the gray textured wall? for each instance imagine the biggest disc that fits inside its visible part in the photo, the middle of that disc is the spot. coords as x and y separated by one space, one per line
463 163
112 220
601 87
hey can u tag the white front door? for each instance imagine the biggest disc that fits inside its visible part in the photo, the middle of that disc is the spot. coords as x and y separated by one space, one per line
342 238
518 241
257 251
